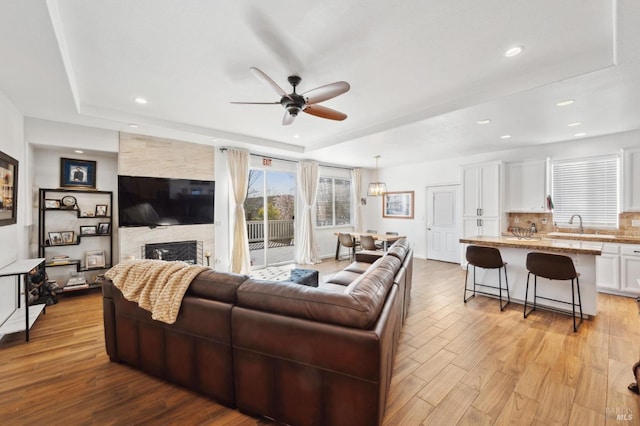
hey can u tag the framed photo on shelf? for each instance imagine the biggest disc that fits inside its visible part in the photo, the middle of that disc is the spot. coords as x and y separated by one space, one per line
67 237
55 239
9 189
103 228
79 174
51 204
88 230
398 205
94 259
101 210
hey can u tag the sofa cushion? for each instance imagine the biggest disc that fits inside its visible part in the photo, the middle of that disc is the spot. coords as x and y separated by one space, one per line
399 249
221 286
343 277
358 267
359 305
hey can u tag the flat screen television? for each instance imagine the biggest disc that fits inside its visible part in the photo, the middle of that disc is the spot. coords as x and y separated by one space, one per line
149 201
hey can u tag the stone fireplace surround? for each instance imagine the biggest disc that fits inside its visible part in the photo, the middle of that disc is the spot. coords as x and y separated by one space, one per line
158 157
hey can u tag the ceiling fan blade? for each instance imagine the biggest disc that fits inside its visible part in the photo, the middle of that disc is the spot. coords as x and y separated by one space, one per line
256 103
324 112
326 92
266 80
288 118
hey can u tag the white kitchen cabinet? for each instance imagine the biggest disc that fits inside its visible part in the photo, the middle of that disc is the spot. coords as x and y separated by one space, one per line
630 269
526 186
631 180
481 199
608 268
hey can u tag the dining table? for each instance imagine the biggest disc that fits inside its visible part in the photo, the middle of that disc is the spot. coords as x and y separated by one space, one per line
384 238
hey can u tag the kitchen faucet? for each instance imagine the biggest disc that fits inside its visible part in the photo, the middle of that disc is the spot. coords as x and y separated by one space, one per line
579 217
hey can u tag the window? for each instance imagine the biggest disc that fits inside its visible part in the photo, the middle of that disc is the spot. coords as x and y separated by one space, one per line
588 187
333 202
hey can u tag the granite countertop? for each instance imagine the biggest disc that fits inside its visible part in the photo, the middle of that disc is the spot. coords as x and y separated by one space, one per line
605 238
537 243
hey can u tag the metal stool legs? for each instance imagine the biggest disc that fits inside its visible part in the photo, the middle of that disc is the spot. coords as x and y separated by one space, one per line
573 301
499 287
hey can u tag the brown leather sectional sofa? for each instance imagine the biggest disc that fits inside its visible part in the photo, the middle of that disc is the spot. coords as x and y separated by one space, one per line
300 355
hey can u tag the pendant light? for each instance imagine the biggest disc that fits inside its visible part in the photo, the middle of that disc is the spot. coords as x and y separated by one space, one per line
376 189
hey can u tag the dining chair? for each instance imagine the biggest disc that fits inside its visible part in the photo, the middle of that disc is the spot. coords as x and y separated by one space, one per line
346 240
368 243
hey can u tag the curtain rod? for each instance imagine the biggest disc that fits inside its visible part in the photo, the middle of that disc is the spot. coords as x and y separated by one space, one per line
292 161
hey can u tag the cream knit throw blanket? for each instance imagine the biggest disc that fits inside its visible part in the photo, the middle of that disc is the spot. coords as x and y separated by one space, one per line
157 286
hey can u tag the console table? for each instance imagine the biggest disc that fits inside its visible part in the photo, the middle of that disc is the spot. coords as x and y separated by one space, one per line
12 324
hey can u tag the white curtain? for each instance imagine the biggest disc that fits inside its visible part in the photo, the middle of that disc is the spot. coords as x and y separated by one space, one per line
356 178
238 166
306 245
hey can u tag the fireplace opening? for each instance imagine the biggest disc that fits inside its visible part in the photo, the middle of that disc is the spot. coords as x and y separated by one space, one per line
186 251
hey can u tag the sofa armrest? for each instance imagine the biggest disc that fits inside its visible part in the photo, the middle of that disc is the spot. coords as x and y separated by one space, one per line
109 315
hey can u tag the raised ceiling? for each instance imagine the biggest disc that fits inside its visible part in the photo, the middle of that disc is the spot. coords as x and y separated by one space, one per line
422 72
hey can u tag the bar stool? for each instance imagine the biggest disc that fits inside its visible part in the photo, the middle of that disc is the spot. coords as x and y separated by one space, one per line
553 267
486 258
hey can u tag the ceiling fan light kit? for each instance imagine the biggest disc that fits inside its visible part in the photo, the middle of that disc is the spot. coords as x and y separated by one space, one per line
307 102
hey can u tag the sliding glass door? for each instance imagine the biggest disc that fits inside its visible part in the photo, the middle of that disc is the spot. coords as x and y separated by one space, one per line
270 207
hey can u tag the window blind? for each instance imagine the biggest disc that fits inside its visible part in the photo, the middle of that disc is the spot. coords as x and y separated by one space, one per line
588 187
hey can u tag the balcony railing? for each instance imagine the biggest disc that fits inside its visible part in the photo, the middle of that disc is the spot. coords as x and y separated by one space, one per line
280 232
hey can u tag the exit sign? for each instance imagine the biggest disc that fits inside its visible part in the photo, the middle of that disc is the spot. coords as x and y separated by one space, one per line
266 162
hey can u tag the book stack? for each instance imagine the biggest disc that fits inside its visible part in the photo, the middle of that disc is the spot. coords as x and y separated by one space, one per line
59 260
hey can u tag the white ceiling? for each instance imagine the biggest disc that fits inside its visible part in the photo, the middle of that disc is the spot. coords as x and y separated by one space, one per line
422 72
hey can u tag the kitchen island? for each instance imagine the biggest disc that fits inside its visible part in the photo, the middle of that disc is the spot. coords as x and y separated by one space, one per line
514 253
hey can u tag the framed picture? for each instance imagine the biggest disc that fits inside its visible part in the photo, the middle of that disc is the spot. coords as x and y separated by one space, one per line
80 174
9 186
94 259
51 204
398 205
55 239
88 230
67 237
103 228
101 210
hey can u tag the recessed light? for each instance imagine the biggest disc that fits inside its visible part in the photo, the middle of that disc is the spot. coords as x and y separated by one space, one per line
485 121
214 140
516 50
577 123
565 102
78 151
133 126
505 136
297 136
577 135
140 100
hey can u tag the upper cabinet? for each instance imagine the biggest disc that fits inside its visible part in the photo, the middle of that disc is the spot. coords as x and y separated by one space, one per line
631 182
526 186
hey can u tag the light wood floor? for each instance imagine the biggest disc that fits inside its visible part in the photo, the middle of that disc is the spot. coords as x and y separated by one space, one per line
457 364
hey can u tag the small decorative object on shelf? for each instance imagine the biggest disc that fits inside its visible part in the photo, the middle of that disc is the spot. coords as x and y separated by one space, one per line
67 237
69 202
55 239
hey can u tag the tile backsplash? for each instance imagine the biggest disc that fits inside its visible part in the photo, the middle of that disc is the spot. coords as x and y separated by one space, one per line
524 220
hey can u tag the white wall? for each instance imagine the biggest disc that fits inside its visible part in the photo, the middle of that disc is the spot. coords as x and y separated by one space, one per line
12 237
418 176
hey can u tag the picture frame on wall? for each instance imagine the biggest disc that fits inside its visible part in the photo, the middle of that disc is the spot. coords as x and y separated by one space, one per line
88 230
94 259
398 205
8 189
78 174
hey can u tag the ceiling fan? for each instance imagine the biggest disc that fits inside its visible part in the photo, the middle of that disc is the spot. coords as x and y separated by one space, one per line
307 102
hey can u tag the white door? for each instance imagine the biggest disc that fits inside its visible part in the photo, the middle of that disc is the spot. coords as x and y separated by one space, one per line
443 224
